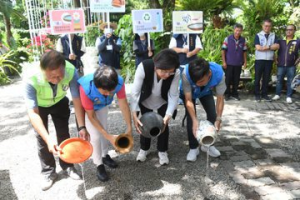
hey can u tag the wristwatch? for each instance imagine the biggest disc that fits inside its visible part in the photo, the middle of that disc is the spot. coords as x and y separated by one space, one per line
219 119
81 127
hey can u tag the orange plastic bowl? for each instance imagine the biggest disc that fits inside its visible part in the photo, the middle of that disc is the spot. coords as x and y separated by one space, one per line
75 150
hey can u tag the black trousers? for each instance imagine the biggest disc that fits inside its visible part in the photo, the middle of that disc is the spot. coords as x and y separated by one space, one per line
263 69
163 138
232 76
208 104
60 114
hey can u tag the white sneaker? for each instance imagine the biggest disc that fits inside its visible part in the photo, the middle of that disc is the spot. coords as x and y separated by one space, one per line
142 155
163 158
48 181
213 152
289 100
192 155
72 173
276 97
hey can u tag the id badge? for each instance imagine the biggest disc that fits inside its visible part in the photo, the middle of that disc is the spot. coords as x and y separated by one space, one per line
109 47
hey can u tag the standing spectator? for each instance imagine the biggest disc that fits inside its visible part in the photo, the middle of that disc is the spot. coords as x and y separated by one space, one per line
265 44
234 56
109 47
186 53
141 48
3 49
288 53
78 47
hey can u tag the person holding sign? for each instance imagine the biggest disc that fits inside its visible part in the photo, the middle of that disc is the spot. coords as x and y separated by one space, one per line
109 47
199 77
78 50
155 87
97 92
45 94
142 49
187 50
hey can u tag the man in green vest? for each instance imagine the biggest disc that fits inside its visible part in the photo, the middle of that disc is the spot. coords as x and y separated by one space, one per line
45 94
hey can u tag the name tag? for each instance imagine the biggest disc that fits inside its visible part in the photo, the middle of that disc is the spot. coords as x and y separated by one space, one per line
109 47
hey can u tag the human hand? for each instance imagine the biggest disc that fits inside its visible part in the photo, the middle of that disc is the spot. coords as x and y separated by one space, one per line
137 123
224 65
150 53
218 125
83 133
184 50
53 148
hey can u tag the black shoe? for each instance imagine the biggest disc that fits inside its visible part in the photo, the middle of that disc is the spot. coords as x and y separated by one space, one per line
101 173
257 98
227 97
109 162
266 98
236 97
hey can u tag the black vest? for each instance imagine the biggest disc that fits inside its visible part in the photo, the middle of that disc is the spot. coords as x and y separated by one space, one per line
192 45
149 79
76 46
142 48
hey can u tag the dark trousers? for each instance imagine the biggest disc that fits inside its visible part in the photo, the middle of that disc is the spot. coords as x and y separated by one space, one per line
208 104
263 69
232 77
60 114
163 138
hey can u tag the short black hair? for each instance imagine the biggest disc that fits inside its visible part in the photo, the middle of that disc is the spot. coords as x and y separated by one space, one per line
166 59
106 78
267 20
237 25
52 60
198 68
295 28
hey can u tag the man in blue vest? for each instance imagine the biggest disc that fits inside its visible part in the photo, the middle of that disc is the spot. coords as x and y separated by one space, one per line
199 78
109 46
45 94
266 43
78 47
288 54
234 56
96 93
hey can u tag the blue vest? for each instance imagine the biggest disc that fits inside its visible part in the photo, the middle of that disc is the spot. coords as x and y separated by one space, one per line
143 49
180 43
216 78
98 99
110 57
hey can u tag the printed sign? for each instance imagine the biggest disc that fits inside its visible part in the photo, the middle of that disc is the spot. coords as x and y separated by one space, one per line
187 22
146 21
114 6
67 21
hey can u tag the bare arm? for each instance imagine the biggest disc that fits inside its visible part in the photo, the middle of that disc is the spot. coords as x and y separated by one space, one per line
245 59
224 59
126 114
79 112
219 109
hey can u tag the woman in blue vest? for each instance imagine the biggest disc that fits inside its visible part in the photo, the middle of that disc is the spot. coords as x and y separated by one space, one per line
155 87
141 48
96 93
199 78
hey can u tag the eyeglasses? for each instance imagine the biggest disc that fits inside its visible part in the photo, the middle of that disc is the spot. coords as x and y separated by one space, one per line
289 29
166 73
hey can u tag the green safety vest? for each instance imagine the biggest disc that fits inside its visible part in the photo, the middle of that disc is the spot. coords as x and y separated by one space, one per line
44 91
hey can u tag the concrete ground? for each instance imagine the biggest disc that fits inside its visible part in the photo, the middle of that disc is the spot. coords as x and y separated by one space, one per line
259 143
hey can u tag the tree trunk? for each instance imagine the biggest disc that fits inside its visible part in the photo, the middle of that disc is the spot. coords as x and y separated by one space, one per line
9 36
77 3
217 21
154 4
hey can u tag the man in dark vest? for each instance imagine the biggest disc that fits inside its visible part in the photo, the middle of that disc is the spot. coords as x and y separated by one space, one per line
234 56
288 54
155 87
141 48
78 47
109 47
